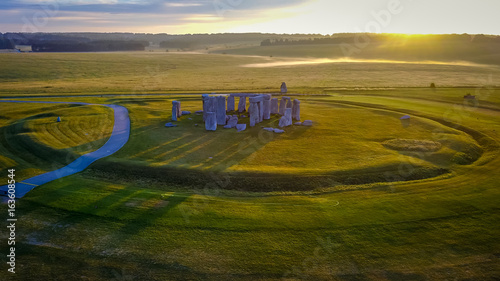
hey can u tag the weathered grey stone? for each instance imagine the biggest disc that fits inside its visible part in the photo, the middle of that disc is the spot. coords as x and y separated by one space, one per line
241 127
199 112
170 125
269 129
267 107
298 124
179 110
278 131
186 112
230 103
221 110
289 103
206 100
211 122
283 105
286 120
175 110
275 106
233 121
283 89
254 114
296 110
307 123
227 127
211 105
242 104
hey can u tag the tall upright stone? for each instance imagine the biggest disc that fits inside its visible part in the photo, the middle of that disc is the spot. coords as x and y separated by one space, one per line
230 103
289 103
205 99
242 104
176 113
275 106
267 107
286 120
254 113
221 110
212 104
261 110
283 89
296 109
283 105
211 122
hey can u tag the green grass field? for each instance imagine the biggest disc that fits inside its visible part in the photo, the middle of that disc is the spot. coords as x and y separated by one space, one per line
355 197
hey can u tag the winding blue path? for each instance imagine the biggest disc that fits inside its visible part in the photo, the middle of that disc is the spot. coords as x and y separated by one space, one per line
119 137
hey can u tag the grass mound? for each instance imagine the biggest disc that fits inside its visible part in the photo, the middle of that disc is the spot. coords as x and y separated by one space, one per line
412 145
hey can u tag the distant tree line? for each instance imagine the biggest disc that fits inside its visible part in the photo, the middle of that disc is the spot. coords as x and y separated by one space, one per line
92 46
5 43
45 42
350 38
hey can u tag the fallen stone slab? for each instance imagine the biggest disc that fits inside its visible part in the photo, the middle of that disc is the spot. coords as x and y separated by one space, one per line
278 131
241 127
186 112
307 123
170 125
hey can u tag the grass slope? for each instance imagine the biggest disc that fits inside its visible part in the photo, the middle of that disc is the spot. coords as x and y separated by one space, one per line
96 228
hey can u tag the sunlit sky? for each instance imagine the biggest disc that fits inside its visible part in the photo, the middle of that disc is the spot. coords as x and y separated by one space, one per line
267 16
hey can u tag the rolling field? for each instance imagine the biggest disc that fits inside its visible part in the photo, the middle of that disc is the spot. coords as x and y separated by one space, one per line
357 196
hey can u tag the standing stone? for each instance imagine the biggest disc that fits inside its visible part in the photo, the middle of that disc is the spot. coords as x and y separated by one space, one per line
221 110
212 104
267 107
284 89
289 103
261 110
296 110
211 122
205 99
242 105
282 106
254 114
274 106
175 110
286 120
230 103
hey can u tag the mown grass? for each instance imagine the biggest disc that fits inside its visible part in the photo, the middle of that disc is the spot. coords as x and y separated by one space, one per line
94 227
32 142
345 146
143 73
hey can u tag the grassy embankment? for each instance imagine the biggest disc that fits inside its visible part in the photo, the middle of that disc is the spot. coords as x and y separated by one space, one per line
97 228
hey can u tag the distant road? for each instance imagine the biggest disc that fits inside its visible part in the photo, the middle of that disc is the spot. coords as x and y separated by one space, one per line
119 137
